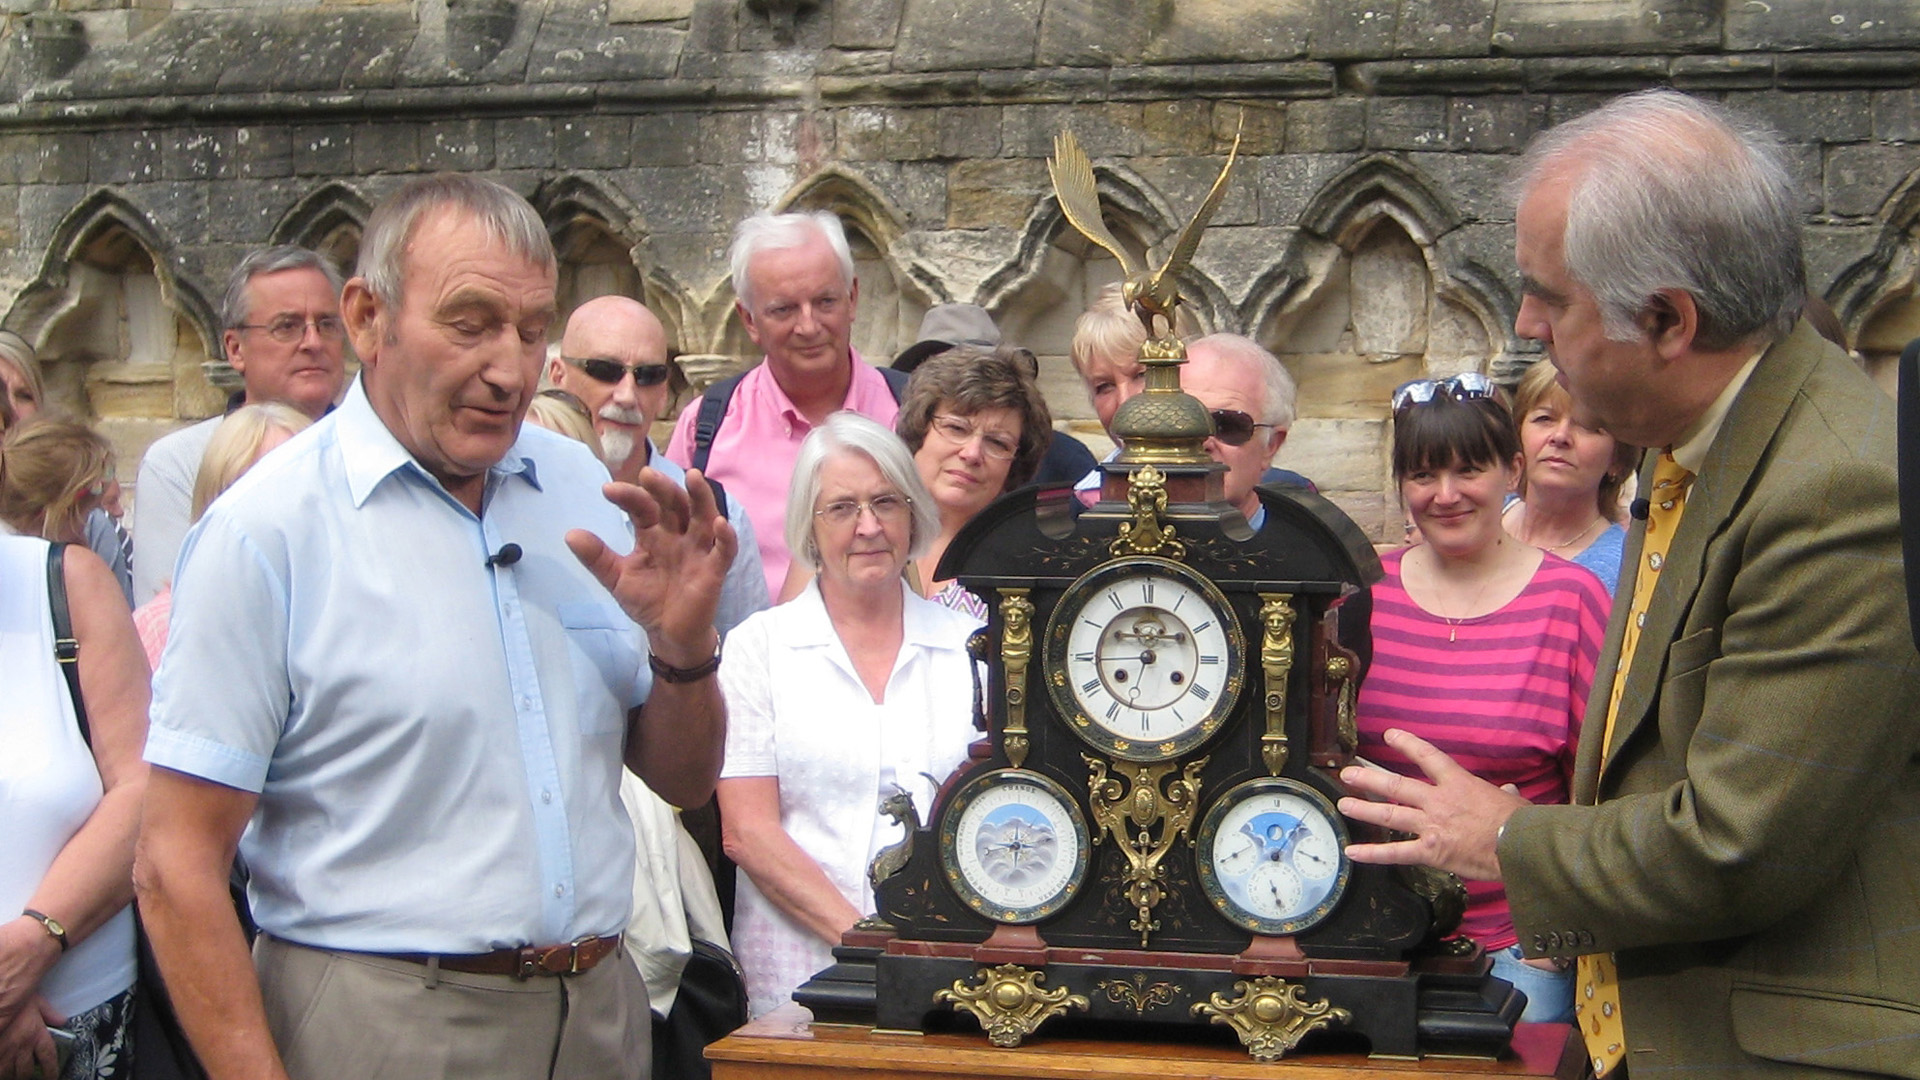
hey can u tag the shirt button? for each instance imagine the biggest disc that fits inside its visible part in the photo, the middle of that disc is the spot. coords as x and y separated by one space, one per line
526 701
546 796
559 890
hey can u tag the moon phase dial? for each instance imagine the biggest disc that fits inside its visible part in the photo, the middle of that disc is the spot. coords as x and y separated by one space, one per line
1272 856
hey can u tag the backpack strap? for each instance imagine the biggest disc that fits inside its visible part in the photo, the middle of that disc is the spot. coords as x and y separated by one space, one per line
706 422
896 382
66 647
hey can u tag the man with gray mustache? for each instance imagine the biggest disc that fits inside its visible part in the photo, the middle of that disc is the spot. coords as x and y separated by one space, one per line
613 357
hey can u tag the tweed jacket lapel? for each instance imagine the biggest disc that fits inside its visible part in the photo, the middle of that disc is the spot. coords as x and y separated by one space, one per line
1718 492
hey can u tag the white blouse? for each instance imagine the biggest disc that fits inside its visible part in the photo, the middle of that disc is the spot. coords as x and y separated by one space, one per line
49 783
797 711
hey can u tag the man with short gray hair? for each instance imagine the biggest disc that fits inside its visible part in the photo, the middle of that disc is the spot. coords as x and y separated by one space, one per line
404 689
1735 876
794 280
1250 398
281 330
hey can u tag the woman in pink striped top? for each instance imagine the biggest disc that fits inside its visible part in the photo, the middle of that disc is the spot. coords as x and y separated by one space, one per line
1482 645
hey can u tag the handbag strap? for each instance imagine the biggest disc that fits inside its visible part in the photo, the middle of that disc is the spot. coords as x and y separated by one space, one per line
66 647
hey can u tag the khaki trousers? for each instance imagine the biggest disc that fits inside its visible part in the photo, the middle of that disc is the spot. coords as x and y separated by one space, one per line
340 1015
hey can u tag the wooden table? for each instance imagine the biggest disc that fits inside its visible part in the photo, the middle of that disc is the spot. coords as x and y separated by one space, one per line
785 1045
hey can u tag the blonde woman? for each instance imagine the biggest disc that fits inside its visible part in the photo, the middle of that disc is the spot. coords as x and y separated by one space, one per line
53 473
247 434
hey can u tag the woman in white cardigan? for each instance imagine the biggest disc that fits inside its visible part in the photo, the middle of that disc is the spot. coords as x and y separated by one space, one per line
855 688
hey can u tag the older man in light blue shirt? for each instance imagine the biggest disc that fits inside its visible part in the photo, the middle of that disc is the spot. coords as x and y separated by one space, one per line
390 667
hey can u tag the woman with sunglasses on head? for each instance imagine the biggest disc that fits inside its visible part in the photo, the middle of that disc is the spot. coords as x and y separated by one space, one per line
857 690
1482 645
1569 493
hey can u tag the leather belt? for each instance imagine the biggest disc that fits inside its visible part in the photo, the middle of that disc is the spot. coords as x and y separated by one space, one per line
525 962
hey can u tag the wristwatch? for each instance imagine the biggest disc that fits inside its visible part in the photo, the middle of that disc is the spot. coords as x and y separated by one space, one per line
52 925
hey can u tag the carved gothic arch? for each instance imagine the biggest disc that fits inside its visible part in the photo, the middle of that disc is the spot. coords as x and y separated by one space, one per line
330 219
1878 297
580 211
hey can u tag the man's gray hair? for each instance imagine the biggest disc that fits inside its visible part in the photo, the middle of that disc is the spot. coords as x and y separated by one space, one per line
1276 383
850 433
1670 192
767 231
236 307
506 217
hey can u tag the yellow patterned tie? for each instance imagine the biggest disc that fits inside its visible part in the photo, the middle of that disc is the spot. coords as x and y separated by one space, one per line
1597 1006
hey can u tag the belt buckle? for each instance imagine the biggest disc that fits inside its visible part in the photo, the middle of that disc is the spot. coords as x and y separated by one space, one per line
552 959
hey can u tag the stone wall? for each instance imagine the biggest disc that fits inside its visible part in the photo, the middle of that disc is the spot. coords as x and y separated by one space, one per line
1367 238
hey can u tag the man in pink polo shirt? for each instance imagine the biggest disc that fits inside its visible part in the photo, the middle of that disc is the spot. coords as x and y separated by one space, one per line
793 275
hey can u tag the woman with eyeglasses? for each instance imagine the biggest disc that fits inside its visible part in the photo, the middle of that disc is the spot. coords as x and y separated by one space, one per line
1569 493
70 782
1482 645
978 427
855 691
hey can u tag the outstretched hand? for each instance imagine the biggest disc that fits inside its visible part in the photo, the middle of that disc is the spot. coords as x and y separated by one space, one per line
670 582
1455 817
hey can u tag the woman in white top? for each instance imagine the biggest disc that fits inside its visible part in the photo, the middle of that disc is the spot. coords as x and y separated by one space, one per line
70 813
854 689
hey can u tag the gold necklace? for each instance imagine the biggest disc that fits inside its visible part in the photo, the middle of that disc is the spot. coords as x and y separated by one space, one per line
1577 537
1453 624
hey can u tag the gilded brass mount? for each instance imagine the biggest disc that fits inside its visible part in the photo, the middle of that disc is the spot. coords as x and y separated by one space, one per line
1148 533
1016 649
1276 661
1008 1001
1157 818
1270 1015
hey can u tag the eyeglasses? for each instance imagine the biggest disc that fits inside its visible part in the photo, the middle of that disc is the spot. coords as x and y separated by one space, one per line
959 432
1466 386
600 369
1233 427
888 509
291 329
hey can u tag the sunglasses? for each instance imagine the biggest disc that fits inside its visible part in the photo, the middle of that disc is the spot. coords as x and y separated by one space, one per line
1233 427
1466 386
600 369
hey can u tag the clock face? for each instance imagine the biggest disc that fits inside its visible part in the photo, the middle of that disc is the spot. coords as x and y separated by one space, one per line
1272 856
1143 658
1014 846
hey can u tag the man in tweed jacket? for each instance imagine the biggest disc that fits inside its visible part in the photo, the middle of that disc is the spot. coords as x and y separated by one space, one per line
1745 839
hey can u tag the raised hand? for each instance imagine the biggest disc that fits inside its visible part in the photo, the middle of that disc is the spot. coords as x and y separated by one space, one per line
670 582
1454 816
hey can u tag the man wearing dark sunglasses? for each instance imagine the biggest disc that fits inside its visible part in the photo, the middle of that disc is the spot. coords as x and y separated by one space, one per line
613 358
1250 396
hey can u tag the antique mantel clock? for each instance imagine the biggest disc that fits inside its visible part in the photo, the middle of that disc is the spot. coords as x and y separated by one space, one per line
1148 835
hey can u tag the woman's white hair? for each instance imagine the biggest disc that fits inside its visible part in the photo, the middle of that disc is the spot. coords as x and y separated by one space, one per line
851 433
767 231
1670 192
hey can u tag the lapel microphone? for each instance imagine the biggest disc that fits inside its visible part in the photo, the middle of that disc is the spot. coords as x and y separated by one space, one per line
1638 508
506 556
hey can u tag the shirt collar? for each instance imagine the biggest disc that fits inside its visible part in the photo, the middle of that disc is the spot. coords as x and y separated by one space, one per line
369 452
791 414
921 622
1690 451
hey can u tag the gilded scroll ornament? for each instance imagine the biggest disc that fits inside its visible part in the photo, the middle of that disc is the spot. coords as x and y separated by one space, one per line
1139 995
1270 1015
1147 533
1008 1001
1145 821
1276 660
1340 670
1016 649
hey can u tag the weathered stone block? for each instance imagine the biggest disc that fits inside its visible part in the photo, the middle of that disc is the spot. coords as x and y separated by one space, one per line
1391 289
265 150
593 142
1475 184
643 11
18 159
982 194
197 154
1113 129
1610 74
177 208
1814 71
1361 30
1602 27
1896 115
1826 116
1495 124
702 199
1444 28
573 49
912 134
311 149
124 157
244 211
1235 257
458 145
871 24
1831 249
1415 123
921 191
860 133
1176 127
712 29
1807 164
852 63
1212 30
1183 182
950 35
1260 125
1287 183
1736 72
61 158
1480 75
1093 33
523 142
1564 107
1863 24
1052 84
388 147
729 137
1859 178
969 132
1336 454
668 138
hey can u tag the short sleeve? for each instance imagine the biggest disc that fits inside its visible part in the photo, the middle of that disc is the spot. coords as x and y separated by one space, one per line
746 681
